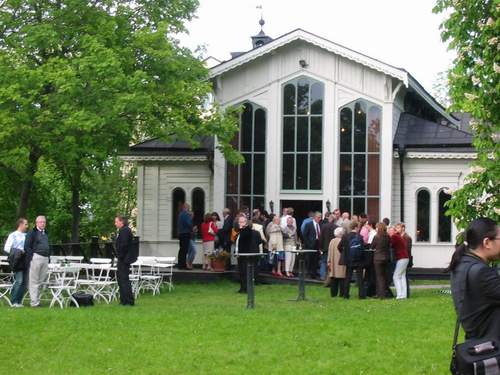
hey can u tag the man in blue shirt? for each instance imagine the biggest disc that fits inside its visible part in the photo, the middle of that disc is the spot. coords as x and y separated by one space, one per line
184 230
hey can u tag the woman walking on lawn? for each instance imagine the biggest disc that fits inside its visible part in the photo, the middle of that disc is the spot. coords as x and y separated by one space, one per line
208 232
475 285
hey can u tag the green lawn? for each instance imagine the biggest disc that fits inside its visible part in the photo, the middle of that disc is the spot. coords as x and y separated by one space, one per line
205 329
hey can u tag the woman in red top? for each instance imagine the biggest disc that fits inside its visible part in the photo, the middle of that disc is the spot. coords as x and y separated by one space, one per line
208 232
401 255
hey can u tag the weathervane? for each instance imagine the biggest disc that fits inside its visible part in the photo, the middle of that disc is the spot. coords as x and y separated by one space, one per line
261 22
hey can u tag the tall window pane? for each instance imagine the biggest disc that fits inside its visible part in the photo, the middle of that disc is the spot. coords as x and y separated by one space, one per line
289 99
359 169
444 222
317 99
423 216
259 130
302 135
316 134
374 119
246 183
246 128
346 130
178 199
303 96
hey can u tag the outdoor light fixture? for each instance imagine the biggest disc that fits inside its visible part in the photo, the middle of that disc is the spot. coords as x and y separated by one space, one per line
328 205
271 206
303 63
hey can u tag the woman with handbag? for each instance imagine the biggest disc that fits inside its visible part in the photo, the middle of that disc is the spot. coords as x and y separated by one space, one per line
208 232
475 285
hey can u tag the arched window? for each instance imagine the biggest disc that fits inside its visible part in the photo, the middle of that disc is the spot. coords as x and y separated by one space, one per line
198 207
178 199
302 135
444 222
359 169
423 215
245 184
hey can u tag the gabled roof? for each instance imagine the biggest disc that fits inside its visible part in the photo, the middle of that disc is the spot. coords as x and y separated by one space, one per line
416 133
306 36
156 146
242 58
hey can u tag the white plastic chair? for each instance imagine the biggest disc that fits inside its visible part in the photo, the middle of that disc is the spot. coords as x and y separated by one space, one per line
5 289
165 266
64 285
150 279
74 258
98 281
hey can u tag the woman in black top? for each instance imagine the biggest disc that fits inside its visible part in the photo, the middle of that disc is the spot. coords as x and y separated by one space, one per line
475 285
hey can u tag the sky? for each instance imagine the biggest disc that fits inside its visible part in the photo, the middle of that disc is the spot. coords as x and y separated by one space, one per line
403 33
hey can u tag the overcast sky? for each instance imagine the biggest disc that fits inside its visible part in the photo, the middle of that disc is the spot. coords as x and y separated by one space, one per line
403 33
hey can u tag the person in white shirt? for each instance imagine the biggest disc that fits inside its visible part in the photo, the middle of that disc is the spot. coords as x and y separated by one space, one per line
14 246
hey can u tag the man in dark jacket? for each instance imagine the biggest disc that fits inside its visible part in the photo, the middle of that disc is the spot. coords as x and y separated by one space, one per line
327 234
350 244
311 236
224 233
37 249
184 228
248 241
126 256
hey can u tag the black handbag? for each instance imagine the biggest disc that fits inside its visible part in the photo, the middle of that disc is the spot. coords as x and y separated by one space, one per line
477 356
83 299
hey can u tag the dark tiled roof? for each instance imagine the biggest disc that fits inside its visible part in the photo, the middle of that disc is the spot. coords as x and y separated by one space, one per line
158 147
415 132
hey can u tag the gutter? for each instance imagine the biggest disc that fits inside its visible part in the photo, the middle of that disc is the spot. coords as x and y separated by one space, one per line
401 154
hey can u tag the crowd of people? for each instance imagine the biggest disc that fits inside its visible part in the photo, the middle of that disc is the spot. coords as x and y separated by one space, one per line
346 246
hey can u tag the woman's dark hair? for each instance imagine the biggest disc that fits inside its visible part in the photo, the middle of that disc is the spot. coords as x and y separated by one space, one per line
216 216
473 237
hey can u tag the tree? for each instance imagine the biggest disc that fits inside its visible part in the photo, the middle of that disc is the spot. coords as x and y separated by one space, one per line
440 89
472 29
80 80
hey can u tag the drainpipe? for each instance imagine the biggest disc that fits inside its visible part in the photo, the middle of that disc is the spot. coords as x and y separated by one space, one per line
401 154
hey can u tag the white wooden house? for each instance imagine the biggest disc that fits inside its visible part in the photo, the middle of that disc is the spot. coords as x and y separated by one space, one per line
322 125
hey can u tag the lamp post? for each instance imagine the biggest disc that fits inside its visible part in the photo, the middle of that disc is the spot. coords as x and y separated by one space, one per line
271 206
328 205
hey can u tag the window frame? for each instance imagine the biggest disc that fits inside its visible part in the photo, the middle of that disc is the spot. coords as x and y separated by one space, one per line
175 212
352 153
442 190
429 219
251 196
295 153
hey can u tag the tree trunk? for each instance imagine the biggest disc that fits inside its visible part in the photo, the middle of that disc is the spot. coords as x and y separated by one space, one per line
27 184
75 207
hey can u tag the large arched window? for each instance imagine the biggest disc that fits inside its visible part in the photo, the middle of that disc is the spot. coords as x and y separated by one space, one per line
444 222
178 199
245 184
423 215
302 135
198 207
359 169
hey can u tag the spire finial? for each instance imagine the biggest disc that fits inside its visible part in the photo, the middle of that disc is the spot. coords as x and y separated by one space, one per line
261 21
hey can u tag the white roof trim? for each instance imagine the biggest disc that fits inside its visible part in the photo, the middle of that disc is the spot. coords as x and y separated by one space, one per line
429 99
135 158
438 155
317 41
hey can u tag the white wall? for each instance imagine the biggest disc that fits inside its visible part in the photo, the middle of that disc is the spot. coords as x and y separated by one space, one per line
432 174
156 181
260 82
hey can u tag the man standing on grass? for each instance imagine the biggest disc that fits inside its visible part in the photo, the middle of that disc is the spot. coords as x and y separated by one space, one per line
184 228
126 256
14 246
37 249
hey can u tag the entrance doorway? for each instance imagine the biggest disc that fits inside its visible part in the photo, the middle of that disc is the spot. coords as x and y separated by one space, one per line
302 208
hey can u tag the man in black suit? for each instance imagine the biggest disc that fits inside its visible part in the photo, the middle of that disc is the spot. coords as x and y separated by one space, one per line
311 236
126 256
224 233
248 241
327 234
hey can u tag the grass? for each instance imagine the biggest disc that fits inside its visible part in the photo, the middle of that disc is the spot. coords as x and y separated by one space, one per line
205 329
